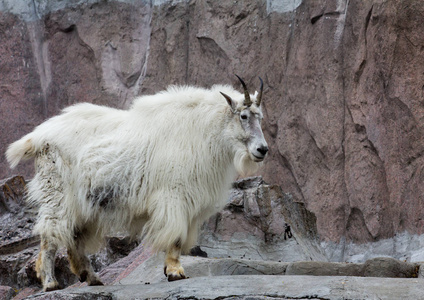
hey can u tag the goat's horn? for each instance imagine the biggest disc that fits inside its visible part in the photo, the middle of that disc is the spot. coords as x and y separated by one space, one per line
247 100
259 97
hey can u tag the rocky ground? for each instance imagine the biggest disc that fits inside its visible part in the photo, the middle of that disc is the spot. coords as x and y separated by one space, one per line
259 258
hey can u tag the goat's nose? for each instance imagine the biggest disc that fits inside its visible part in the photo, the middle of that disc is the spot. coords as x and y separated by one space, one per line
263 150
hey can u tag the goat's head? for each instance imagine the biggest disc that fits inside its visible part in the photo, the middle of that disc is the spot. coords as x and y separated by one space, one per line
249 115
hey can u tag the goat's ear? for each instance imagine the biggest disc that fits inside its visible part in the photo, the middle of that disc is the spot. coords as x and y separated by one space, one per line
230 102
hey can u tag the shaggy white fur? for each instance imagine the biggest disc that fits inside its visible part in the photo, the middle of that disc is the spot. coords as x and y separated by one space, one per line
159 169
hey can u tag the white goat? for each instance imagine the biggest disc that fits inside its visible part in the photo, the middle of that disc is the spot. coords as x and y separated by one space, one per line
157 170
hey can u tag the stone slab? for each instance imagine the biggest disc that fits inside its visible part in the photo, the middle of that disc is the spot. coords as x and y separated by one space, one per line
254 287
151 270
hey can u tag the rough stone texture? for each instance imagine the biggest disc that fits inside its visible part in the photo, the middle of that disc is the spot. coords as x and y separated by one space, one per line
6 292
389 267
17 269
16 240
151 270
59 57
26 292
11 194
343 88
377 267
252 226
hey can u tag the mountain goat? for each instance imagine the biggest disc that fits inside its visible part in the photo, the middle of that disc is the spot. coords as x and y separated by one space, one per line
157 170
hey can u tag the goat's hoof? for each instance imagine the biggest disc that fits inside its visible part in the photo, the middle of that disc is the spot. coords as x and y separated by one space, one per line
96 282
83 276
172 277
51 286
91 278
174 274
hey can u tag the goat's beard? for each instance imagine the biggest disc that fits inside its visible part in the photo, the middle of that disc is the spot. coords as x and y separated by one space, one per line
244 164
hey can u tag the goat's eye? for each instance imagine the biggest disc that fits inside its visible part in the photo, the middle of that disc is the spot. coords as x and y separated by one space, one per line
244 117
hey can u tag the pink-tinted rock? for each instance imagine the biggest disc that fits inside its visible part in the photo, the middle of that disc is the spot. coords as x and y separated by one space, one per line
26 292
6 292
66 58
22 104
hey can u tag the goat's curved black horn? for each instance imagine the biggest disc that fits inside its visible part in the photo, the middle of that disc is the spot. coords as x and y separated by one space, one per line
247 100
259 98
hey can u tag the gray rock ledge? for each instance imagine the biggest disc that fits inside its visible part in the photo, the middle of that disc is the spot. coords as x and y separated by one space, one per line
254 287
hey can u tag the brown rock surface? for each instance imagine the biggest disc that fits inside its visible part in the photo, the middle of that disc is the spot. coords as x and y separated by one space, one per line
343 98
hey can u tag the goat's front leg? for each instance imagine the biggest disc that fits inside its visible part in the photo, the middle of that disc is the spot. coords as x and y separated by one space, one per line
173 269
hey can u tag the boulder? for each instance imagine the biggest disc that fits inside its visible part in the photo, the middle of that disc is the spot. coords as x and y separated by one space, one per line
376 267
389 267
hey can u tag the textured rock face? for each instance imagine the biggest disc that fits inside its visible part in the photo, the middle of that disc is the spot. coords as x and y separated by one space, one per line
253 226
55 58
16 240
343 97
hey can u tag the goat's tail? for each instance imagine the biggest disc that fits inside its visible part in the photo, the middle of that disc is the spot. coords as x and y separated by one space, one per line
22 149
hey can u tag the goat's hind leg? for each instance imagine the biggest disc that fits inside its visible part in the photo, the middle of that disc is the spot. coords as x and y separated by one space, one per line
80 264
173 269
44 265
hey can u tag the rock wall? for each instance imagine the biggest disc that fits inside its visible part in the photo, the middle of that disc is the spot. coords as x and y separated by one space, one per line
343 87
